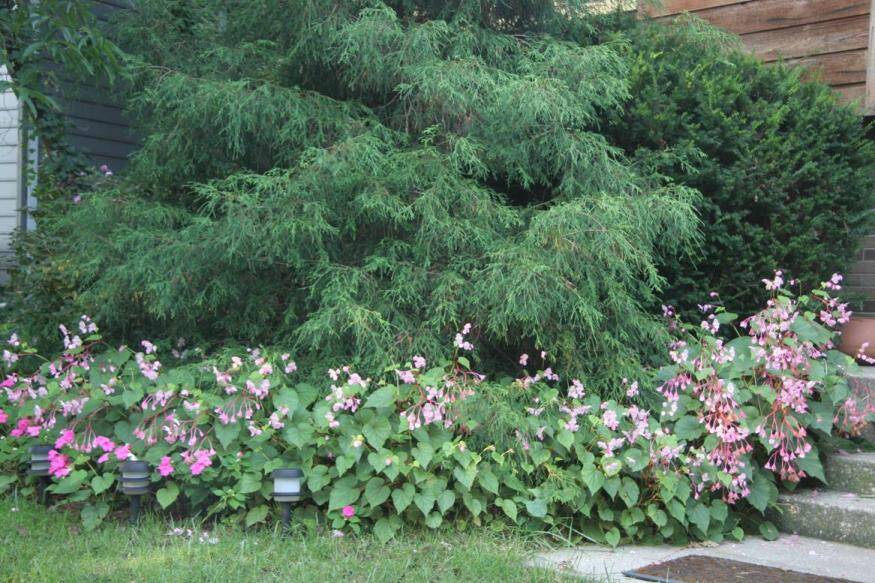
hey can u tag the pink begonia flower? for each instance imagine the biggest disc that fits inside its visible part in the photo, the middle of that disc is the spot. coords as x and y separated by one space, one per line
524 359
406 376
348 511
9 381
418 362
609 418
66 438
59 464
165 468
4 416
122 452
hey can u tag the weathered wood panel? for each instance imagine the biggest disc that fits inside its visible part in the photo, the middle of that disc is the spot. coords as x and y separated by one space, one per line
100 151
833 36
669 7
830 36
108 131
852 93
869 100
775 14
835 68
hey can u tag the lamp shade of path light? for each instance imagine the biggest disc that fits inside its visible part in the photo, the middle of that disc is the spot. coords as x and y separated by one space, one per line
39 467
287 489
135 483
39 460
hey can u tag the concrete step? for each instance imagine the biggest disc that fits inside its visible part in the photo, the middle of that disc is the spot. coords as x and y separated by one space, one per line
829 515
851 472
863 385
863 382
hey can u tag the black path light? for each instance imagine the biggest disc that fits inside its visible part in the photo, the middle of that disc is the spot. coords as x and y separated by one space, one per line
287 489
39 467
135 483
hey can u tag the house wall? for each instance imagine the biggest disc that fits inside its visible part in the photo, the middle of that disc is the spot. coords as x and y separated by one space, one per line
98 127
827 36
10 174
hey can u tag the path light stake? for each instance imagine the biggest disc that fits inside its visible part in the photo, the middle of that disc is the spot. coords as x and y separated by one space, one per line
287 489
39 467
135 483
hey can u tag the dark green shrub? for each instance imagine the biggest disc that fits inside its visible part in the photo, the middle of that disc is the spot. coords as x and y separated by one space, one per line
361 179
785 173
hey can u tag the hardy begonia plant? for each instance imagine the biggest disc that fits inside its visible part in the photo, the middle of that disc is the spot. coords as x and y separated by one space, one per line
439 443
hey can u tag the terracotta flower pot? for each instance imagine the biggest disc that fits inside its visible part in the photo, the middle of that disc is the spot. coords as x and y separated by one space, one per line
859 330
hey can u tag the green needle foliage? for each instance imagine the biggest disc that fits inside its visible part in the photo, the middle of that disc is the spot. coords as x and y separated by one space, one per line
786 174
359 179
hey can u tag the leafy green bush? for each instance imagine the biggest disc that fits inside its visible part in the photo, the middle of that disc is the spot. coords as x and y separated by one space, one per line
360 179
437 443
785 173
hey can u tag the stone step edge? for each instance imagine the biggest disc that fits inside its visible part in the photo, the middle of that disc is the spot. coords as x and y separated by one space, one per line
851 472
828 515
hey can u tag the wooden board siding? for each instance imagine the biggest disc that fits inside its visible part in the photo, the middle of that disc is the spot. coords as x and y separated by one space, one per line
820 38
775 14
97 125
829 36
845 68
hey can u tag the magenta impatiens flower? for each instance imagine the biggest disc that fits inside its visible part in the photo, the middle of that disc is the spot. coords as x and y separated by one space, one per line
165 468
4 416
66 438
59 464
199 460
122 452
348 511
22 428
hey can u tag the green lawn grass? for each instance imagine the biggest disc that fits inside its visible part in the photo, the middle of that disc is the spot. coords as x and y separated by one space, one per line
45 545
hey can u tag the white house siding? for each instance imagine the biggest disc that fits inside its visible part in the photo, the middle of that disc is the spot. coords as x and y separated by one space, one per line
10 175
96 127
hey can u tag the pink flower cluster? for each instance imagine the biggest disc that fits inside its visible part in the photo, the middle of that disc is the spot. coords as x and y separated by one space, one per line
344 397
149 367
782 364
198 460
432 405
59 464
165 468
460 342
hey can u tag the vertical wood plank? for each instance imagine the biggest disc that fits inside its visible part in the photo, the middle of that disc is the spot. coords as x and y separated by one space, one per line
869 102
